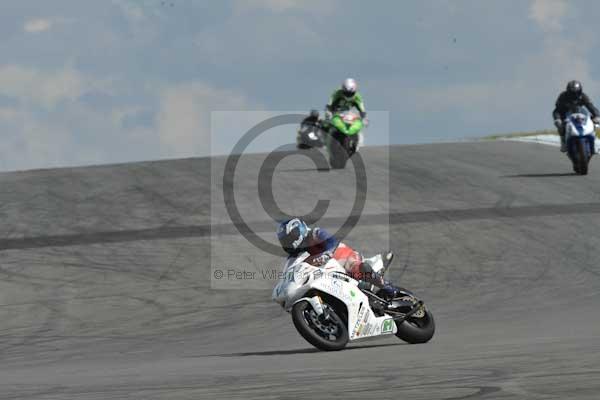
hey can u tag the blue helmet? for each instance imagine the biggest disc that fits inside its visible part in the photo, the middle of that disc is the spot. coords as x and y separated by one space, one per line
291 234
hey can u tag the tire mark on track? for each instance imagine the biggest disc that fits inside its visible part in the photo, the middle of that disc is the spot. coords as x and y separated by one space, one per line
207 230
481 392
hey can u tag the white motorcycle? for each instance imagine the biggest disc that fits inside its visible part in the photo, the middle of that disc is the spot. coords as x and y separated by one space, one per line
580 135
329 308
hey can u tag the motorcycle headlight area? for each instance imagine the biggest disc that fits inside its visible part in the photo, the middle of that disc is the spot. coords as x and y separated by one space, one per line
578 119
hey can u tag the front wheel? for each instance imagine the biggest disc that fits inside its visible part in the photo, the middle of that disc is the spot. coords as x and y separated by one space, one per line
338 154
583 158
341 148
325 334
417 330
581 151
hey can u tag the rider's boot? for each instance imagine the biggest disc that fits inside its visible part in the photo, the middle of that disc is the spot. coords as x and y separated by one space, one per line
387 291
373 280
374 283
563 144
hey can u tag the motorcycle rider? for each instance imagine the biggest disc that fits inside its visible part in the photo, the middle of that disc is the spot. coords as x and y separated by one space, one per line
344 98
296 237
312 127
573 97
312 119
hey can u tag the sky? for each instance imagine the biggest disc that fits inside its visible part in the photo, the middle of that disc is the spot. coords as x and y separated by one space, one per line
95 82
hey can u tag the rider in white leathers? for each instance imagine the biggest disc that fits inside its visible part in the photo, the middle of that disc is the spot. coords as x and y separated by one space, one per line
296 237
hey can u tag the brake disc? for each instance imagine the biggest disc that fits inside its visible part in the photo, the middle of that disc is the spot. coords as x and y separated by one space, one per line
418 314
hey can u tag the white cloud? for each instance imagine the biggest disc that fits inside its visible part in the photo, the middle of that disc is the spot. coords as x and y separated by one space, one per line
271 5
32 142
283 6
47 88
75 135
524 96
548 14
8 113
522 100
49 126
563 55
39 134
286 37
184 118
133 10
37 25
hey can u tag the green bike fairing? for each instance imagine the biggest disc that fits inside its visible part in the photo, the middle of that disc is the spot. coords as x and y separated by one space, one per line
338 123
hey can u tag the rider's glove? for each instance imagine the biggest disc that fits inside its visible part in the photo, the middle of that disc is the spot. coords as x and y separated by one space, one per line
558 123
328 115
365 121
596 120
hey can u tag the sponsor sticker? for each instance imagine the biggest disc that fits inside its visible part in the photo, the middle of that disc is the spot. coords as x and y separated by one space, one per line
359 322
387 326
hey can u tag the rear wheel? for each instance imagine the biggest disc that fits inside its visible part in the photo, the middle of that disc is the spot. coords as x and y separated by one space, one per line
325 334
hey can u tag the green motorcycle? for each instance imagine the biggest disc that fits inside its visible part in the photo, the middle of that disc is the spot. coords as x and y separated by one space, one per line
343 138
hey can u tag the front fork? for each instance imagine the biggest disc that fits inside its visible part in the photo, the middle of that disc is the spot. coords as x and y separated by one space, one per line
317 304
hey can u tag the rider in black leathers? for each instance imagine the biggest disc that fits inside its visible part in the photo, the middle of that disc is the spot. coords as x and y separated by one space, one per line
568 100
312 119
312 122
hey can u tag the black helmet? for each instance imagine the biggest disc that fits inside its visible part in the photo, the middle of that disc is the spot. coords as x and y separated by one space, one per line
574 87
291 234
314 114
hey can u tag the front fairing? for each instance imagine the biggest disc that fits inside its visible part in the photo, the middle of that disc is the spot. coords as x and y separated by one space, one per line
579 124
299 277
287 286
347 128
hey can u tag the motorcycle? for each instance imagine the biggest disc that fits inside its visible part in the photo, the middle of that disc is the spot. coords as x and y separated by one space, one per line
344 137
310 135
329 308
580 135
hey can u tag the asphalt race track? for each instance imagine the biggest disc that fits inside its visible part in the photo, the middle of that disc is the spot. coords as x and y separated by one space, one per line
107 287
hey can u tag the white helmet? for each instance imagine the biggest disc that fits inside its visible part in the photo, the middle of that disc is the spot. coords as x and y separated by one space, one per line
349 87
